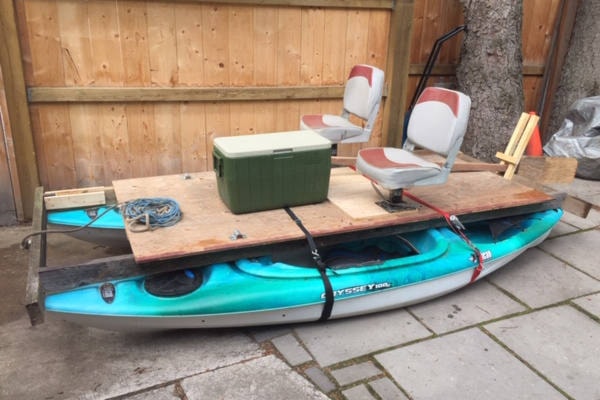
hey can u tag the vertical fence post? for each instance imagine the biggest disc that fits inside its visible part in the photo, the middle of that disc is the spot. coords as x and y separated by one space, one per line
397 70
18 110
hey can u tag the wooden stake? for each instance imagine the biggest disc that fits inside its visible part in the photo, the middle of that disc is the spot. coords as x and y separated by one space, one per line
517 143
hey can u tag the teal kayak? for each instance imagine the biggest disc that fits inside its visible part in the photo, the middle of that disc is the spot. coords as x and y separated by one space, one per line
101 225
366 276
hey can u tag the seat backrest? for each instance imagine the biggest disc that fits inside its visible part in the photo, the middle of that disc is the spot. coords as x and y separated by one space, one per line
438 121
363 91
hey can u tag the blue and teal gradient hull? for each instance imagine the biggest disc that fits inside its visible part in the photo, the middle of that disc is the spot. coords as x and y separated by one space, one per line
265 291
107 230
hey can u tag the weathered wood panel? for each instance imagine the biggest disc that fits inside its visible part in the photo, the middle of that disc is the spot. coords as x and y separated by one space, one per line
138 44
15 133
7 166
71 47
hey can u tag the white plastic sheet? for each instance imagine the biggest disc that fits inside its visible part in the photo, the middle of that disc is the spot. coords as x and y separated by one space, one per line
579 137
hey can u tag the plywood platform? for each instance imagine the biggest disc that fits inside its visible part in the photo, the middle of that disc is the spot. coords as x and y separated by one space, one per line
207 225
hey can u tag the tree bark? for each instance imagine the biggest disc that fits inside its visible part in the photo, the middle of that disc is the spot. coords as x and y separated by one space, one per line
490 72
580 77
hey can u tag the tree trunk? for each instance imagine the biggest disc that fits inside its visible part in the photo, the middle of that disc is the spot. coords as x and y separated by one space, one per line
580 77
490 72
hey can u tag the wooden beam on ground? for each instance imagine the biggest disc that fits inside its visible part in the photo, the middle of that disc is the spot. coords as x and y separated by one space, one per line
34 293
397 71
18 110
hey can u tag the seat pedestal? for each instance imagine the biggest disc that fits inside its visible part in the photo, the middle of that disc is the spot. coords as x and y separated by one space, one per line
395 202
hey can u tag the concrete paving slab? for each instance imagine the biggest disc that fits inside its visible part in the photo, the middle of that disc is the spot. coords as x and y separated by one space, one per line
355 373
319 378
578 249
561 343
562 228
14 261
590 304
13 272
539 279
360 392
259 379
164 393
594 216
468 306
580 223
387 390
340 340
291 349
265 333
464 365
60 360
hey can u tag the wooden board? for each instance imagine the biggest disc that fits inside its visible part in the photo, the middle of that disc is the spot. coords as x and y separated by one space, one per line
548 169
463 194
207 223
73 198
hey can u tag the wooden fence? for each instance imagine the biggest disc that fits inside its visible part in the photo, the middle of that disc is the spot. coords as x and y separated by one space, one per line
120 88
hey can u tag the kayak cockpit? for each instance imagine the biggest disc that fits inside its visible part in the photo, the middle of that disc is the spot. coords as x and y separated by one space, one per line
374 253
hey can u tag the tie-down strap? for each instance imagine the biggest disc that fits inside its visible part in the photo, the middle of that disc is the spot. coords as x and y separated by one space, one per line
458 228
326 313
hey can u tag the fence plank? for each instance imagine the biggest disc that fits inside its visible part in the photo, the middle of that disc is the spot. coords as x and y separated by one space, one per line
168 139
162 44
193 137
107 58
289 46
116 149
141 131
313 28
241 62
335 70
75 43
133 30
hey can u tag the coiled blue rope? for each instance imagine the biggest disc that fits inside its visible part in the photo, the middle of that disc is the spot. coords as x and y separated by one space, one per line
151 212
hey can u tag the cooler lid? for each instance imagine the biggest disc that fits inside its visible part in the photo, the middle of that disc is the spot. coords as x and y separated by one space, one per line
270 143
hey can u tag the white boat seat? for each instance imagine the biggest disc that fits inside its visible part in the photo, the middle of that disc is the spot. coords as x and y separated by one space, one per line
393 168
362 97
438 123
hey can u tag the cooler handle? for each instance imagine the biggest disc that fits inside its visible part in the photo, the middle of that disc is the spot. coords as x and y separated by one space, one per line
218 165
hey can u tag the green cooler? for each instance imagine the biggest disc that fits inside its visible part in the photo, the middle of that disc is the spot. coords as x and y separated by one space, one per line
272 170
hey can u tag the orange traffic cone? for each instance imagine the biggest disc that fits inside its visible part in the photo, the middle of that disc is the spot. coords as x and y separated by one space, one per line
534 147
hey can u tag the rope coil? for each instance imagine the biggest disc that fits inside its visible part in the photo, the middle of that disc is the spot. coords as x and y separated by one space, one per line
151 213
